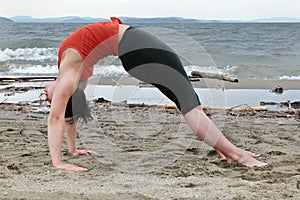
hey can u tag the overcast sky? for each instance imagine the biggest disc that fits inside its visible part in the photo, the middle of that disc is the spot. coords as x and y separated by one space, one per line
198 9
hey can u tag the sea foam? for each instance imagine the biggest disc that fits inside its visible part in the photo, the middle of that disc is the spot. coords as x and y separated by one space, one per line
29 54
290 77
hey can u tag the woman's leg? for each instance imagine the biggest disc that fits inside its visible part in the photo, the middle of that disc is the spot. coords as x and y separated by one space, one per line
71 135
150 60
207 131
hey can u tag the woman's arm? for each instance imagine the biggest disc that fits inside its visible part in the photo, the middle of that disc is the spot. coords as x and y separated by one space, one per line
71 135
71 130
66 83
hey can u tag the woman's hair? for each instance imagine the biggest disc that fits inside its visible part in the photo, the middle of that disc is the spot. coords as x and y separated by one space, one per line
77 107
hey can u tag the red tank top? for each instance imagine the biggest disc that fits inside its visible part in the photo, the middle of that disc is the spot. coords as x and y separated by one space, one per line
93 42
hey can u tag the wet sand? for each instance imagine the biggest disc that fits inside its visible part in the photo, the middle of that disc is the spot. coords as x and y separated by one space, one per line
209 83
149 153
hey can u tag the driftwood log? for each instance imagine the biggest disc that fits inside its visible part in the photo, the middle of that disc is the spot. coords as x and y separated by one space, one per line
27 78
289 104
257 108
167 106
214 76
172 106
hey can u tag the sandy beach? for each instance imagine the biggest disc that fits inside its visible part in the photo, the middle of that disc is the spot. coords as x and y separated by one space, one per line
144 148
149 153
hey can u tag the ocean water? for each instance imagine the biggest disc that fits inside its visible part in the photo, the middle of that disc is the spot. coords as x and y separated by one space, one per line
243 50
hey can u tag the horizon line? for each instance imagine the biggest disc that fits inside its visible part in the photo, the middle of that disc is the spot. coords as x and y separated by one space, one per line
152 17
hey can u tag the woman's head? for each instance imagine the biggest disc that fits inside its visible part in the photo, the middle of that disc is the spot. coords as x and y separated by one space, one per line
77 107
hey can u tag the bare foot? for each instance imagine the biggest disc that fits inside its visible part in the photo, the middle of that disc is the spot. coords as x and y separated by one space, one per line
246 158
83 152
221 156
71 167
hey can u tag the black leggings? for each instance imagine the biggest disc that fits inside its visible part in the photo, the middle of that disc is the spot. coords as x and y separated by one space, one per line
148 59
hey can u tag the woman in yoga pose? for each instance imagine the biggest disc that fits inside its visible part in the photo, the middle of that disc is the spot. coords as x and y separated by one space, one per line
143 56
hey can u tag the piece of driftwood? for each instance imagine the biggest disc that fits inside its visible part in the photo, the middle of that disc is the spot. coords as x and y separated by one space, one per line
116 83
124 103
194 78
3 101
214 76
21 104
289 104
102 100
270 103
257 108
173 106
27 78
12 90
167 106
277 90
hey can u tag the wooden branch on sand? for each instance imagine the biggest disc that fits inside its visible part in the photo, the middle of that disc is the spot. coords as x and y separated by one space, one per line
173 106
20 89
214 76
167 106
289 104
27 78
258 108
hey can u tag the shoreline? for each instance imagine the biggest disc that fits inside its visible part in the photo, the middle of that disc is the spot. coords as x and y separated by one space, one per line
208 83
242 83
212 92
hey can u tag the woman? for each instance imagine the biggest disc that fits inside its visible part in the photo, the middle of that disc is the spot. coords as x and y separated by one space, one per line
144 57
